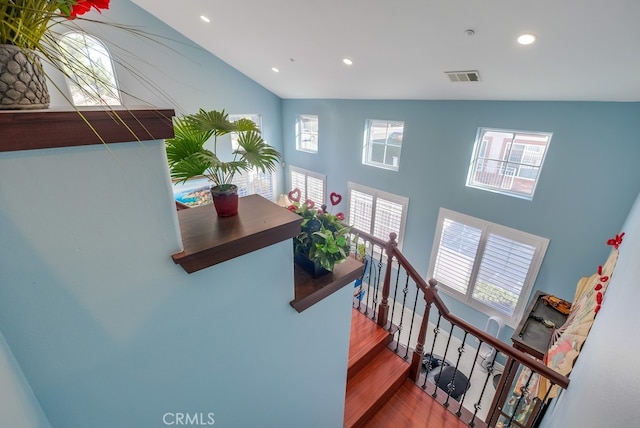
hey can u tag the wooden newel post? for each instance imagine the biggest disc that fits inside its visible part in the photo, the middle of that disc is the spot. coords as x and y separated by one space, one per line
383 308
416 359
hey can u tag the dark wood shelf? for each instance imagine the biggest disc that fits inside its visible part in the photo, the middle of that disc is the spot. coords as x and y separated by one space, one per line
310 290
209 239
55 128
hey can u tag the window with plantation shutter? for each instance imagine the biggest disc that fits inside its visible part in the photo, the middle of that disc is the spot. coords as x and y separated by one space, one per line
255 182
486 265
376 212
311 184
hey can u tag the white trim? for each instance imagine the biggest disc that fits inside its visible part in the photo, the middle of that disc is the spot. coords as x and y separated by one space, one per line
380 194
300 145
307 173
487 228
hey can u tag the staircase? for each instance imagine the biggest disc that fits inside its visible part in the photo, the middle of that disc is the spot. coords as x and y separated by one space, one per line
374 372
379 393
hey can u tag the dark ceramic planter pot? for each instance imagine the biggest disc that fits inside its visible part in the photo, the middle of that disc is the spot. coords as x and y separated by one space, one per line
310 266
225 201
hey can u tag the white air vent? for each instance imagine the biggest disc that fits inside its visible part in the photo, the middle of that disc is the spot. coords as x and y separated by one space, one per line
463 76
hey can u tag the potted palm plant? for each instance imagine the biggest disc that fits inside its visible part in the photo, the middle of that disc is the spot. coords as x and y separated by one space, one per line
189 156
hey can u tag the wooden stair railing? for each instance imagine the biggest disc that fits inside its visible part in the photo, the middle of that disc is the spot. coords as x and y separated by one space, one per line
387 301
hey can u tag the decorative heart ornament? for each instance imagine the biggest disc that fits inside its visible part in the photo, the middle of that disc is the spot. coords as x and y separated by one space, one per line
335 198
294 195
310 203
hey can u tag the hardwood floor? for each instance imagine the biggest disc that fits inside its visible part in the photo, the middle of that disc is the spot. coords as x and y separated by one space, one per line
410 407
379 393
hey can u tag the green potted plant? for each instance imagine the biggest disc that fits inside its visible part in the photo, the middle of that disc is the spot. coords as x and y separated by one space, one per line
323 240
25 34
188 157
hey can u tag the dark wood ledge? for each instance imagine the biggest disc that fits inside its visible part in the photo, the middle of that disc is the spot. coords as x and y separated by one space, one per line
310 290
209 239
54 128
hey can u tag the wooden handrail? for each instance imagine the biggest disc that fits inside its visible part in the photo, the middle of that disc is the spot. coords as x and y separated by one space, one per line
368 237
432 297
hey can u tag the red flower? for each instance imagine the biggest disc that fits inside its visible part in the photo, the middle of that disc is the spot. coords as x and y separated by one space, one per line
604 278
292 208
615 242
599 270
84 6
597 309
598 287
599 298
340 216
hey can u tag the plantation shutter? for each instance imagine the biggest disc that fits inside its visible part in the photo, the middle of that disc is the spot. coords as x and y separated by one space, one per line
242 181
387 219
502 274
254 182
310 184
360 210
456 254
299 181
315 190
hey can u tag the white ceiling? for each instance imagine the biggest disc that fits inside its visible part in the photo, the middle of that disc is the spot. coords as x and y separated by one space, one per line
586 50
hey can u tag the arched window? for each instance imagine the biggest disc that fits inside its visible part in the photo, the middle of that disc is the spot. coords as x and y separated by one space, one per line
89 69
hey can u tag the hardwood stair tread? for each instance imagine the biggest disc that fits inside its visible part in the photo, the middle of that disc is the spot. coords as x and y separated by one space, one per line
372 385
366 339
411 407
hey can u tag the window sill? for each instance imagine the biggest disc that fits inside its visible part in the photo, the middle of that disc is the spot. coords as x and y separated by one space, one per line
309 290
209 239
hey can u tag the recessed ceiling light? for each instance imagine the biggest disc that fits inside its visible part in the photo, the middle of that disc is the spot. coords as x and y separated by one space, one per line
275 69
204 18
526 39
347 61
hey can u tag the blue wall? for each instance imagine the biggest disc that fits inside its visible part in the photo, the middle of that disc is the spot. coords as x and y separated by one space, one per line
109 332
589 180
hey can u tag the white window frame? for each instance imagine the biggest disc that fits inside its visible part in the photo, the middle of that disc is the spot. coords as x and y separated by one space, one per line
377 195
306 190
372 140
80 77
307 138
505 168
487 229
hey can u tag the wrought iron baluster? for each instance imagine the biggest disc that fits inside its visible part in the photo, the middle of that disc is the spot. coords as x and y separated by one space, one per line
376 290
370 283
436 331
444 358
490 367
393 309
413 318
